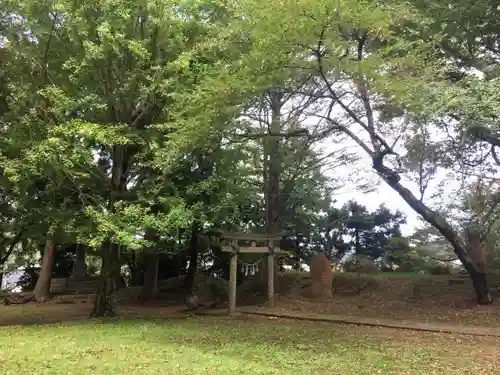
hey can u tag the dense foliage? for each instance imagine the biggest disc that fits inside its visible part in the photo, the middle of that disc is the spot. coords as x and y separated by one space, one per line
137 128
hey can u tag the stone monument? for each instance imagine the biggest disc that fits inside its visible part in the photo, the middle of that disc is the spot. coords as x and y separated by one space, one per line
321 277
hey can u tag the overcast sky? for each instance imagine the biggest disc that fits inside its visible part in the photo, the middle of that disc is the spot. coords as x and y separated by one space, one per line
354 174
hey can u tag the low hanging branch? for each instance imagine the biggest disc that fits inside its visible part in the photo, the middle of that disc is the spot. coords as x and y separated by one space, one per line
17 238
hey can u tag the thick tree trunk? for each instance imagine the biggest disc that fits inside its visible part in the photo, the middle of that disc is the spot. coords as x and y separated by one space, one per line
151 264
460 248
191 300
104 304
193 258
119 282
480 281
272 173
41 293
79 271
149 289
136 269
477 249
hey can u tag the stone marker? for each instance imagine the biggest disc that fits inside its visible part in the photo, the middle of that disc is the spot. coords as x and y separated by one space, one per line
321 277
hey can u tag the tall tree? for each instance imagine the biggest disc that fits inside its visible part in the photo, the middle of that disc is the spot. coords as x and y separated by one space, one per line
354 52
106 85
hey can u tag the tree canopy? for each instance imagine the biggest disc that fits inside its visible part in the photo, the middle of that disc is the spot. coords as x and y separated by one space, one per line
142 126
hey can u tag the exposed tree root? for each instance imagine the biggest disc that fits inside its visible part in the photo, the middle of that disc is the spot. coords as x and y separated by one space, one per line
18 299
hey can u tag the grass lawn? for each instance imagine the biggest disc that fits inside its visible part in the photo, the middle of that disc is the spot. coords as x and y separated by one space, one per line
232 346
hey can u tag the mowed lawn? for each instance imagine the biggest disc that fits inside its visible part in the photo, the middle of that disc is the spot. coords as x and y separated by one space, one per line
232 346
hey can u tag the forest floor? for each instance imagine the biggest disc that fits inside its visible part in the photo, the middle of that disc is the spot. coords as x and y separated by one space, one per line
464 313
398 297
158 340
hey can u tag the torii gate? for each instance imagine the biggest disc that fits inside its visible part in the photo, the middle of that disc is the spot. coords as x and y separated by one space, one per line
270 239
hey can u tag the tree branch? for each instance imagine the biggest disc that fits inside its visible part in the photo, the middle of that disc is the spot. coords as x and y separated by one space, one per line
13 244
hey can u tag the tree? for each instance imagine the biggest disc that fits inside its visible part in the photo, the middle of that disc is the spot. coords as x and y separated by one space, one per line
372 231
108 75
353 53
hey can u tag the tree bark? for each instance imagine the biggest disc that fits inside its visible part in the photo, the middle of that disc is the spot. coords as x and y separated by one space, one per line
18 238
79 271
149 289
151 261
480 281
272 173
460 248
41 293
193 258
119 282
110 270
104 305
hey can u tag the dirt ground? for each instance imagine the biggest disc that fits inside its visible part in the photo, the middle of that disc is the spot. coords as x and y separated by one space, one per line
424 299
50 313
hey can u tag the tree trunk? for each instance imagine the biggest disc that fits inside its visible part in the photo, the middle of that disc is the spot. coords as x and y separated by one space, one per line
476 248
41 293
272 173
460 248
136 270
151 261
79 271
18 238
193 258
110 269
149 289
104 305
480 281
119 282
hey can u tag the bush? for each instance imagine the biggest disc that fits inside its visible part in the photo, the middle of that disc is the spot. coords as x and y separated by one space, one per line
345 282
440 270
361 264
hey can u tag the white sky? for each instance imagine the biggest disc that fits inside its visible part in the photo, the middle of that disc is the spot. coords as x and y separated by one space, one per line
383 194
361 172
351 176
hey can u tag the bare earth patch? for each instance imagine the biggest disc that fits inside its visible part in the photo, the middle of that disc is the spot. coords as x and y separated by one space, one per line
471 314
427 300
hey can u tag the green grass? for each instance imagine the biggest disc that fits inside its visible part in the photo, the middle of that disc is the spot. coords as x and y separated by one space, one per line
220 346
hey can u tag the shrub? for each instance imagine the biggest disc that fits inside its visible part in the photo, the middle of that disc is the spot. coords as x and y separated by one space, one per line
440 270
353 283
361 264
